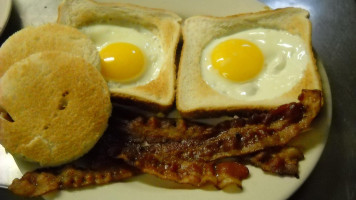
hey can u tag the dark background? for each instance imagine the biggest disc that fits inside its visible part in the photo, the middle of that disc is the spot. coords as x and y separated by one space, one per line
334 40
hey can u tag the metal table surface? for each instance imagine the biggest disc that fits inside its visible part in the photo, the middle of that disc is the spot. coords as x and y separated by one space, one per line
334 40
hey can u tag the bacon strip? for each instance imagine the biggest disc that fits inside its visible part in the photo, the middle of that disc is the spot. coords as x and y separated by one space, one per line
281 161
196 173
41 182
95 168
220 174
177 140
162 147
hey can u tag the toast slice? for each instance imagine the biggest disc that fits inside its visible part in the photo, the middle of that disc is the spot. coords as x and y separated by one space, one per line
157 94
195 98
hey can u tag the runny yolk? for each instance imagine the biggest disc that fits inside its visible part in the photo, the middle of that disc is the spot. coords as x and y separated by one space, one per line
121 62
237 59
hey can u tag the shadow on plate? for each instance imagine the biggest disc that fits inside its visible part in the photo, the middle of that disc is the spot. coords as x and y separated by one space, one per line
13 25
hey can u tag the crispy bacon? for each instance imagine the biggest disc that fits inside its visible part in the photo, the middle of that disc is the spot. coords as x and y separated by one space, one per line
41 182
196 173
281 161
184 151
169 140
95 168
161 146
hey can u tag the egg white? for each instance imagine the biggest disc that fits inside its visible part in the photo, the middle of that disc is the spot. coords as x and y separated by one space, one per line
105 34
285 60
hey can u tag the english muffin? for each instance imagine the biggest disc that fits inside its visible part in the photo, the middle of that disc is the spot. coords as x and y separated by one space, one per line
54 37
55 106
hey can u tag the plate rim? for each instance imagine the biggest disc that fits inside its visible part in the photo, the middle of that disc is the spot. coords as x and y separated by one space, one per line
329 120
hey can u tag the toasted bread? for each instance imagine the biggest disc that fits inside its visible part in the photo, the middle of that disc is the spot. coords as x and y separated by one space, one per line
55 107
195 98
54 37
158 93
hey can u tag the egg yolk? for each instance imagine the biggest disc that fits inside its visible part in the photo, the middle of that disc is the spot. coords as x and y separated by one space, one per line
238 60
121 62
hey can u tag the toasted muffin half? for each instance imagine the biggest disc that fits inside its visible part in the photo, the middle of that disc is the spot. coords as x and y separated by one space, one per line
55 37
54 108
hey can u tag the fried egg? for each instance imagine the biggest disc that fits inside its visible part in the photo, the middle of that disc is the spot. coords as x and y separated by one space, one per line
255 64
130 56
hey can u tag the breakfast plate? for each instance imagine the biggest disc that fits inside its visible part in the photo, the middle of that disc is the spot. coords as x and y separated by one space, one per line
259 185
5 10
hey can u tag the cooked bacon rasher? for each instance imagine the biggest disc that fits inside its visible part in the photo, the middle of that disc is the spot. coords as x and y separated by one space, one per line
175 141
183 151
278 160
95 168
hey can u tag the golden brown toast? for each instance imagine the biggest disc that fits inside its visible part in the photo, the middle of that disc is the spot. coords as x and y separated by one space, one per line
158 94
195 98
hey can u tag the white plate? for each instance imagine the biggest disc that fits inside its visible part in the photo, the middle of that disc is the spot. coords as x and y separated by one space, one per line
259 185
5 10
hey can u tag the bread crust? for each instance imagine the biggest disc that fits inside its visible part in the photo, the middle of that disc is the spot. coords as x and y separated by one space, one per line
158 93
58 106
56 37
195 98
